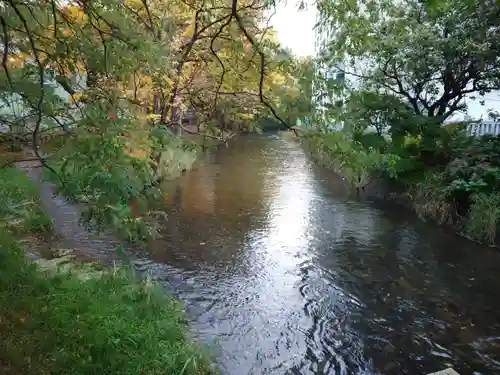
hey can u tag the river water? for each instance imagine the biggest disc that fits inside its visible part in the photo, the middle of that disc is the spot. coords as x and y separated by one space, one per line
282 273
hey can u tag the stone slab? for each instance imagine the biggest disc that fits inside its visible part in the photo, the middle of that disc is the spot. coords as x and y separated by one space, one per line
448 371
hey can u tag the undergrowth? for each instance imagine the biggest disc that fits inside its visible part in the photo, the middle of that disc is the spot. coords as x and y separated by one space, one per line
112 172
78 320
176 154
484 217
58 324
428 199
20 209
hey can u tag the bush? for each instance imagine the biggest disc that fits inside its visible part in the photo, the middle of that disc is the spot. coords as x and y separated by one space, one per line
348 158
173 154
474 170
110 325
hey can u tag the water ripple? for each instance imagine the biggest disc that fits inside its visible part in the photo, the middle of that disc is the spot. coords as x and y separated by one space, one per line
289 275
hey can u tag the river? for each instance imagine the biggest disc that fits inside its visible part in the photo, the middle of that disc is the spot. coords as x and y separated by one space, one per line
282 273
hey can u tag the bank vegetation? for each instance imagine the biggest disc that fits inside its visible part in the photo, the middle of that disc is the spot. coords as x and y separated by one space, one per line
111 98
404 73
79 318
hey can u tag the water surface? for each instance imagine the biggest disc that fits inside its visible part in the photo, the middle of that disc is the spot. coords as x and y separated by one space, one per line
290 276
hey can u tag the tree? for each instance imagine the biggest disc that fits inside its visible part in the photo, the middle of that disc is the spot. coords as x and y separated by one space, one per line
169 56
297 96
429 53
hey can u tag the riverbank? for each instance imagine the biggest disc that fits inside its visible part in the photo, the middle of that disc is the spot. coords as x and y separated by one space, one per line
79 316
459 191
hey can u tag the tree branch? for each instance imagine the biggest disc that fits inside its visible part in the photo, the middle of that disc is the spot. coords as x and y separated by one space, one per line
39 105
262 66
5 50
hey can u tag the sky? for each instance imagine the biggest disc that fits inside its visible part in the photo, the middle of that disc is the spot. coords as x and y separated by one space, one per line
295 30
294 27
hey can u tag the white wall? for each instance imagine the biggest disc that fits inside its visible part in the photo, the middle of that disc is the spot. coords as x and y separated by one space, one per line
13 107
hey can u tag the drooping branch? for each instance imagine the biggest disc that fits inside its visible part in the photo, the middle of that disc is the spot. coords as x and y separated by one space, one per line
54 15
261 39
39 104
262 67
186 50
168 106
212 49
150 18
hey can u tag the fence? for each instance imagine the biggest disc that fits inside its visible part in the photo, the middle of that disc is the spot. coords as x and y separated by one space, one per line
476 129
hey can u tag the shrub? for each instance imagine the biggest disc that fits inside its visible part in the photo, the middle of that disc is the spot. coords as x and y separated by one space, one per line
173 154
336 151
474 170
100 172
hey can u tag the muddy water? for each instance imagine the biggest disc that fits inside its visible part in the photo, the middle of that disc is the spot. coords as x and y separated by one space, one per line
282 273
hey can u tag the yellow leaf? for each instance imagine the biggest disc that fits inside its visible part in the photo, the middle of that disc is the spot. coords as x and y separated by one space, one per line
76 97
68 32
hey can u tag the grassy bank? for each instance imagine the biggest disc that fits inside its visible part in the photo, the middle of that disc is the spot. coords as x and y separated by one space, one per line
177 154
78 320
60 324
453 180
350 159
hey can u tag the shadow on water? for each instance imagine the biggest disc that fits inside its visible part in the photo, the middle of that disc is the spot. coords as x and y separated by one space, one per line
291 277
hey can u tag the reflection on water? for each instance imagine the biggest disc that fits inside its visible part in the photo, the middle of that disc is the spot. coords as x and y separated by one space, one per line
289 276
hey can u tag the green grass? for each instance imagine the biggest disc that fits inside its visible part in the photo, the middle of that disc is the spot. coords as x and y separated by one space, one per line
58 324
20 210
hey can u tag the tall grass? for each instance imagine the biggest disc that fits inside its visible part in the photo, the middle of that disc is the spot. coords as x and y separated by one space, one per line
483 218
175 160
20 209
429 200
59 324
177 154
